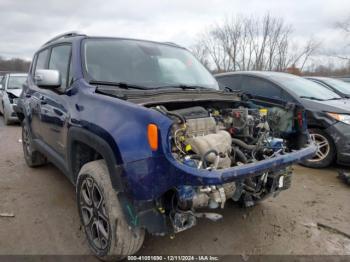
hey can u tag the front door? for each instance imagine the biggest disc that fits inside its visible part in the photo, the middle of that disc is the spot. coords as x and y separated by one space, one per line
53 102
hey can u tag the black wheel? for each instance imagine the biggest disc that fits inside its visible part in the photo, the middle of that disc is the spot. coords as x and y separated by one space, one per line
106 229
326 150
32 157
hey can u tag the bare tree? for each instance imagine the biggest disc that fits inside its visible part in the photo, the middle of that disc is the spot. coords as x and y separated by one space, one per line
302 56
249 43
344 27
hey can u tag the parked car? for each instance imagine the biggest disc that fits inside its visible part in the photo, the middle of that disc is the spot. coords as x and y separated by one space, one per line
328 114
345 79
10 89
148 139
338 86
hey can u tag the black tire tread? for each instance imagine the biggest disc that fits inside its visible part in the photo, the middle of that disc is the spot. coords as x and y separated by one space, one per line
34 158
124 241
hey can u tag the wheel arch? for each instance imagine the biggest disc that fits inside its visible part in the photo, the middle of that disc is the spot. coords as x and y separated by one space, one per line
84 141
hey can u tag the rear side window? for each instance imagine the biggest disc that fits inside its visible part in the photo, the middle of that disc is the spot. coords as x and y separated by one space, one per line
259 87
59 60
41 60
232 82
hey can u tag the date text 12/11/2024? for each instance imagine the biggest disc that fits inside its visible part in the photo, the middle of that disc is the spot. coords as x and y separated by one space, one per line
173 258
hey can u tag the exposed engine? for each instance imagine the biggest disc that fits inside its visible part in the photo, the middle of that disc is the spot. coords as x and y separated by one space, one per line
219 138
222 138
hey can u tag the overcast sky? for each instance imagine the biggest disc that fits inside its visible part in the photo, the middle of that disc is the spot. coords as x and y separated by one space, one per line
26 25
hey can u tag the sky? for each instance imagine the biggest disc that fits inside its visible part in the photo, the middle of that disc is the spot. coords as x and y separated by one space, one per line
26 24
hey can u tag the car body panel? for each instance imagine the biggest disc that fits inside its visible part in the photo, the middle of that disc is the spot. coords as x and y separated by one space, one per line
316 112
9 97
117 129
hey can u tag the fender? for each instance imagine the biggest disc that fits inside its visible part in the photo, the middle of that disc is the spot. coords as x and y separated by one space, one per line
102 147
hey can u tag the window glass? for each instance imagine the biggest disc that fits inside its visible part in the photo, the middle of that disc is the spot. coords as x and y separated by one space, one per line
232 82
59 60
260 87
144 63
16 82
305 88
41 60
339 85
3 78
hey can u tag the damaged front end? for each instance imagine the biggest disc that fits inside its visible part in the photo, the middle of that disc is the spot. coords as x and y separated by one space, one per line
226 152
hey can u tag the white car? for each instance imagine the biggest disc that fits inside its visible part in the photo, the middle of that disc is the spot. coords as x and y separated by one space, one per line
10 90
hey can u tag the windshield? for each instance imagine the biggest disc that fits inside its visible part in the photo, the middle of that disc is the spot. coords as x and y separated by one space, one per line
306 88
16 82
141 63
338 85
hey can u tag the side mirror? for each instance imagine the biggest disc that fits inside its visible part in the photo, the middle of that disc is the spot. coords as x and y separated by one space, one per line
1 88
47 78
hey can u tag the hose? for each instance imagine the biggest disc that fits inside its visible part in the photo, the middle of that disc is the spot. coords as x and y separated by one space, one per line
240 155
242 144
165 111
204 157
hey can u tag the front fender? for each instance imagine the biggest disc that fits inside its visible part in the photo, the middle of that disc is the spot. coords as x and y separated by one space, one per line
124 124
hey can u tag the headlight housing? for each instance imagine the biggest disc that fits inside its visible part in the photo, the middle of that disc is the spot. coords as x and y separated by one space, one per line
340 117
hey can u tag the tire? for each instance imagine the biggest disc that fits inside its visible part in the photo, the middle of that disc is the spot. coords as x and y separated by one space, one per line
6 120
326 152
32 157
102 218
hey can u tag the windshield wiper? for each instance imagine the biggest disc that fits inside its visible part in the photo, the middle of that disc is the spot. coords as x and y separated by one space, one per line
186 87
312 98
335 98
122 85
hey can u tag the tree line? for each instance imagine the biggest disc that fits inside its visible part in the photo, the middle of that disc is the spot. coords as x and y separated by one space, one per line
14 64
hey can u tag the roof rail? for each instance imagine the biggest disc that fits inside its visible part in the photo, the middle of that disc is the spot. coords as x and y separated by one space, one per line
172 43
64 35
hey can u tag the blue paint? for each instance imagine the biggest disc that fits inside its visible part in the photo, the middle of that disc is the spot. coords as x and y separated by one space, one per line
146 174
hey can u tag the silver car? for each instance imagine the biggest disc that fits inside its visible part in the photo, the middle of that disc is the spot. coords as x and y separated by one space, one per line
10 90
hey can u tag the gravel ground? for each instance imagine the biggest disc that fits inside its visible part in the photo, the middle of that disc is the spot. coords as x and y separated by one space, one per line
46 219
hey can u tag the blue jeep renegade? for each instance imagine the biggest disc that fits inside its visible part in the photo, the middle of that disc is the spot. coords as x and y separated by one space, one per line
148 139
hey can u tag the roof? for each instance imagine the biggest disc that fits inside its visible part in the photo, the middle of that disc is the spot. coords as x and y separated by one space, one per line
255 73
74 35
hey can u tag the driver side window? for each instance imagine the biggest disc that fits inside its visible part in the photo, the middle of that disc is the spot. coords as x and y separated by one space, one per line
60 60
260 87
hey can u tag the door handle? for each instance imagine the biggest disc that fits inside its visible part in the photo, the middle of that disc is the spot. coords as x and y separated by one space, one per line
43 100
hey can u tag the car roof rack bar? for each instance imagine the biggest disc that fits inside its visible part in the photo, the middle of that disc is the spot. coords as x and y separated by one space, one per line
172 43
63 35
